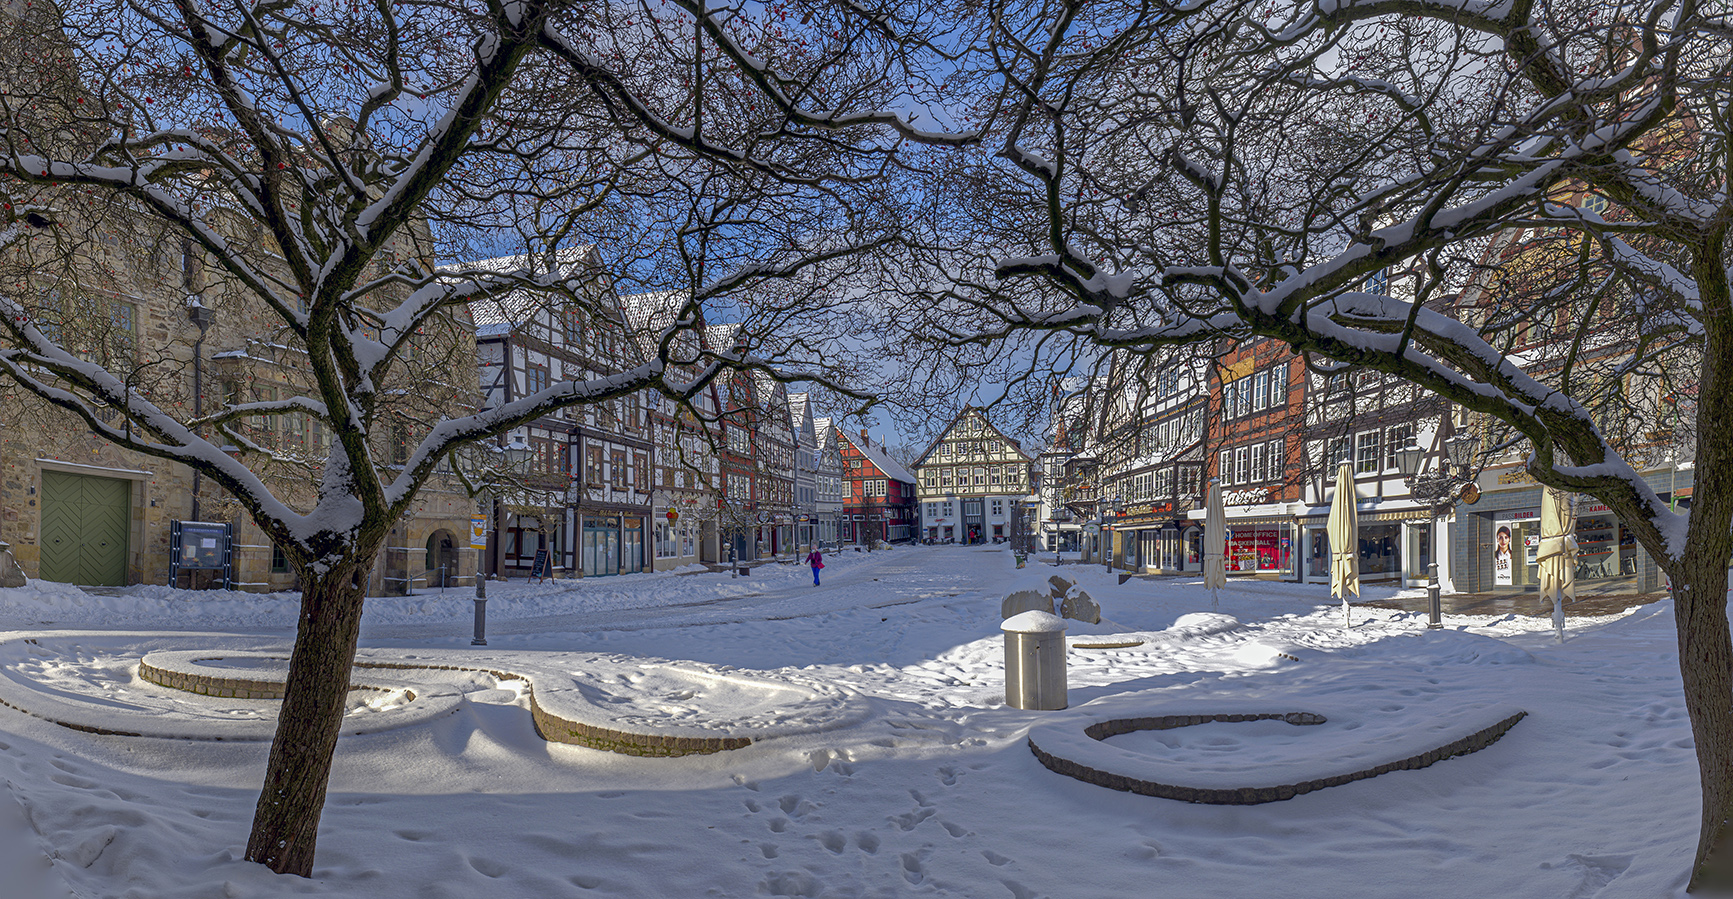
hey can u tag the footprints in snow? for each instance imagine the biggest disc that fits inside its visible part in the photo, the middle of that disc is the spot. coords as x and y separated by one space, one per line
795 831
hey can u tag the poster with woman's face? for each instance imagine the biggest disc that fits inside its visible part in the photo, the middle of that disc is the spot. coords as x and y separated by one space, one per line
1501 561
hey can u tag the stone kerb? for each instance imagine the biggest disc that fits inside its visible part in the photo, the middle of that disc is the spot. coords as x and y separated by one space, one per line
560 709
1073 745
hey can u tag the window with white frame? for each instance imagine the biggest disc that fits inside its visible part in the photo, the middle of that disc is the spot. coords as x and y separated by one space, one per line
1395 438
1257 462
875 487
1367 456
1242 465
1260 392
1337 451
1274 460
998 507
1225 466
980 477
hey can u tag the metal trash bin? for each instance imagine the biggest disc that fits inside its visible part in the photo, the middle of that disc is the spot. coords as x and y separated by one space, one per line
1034 660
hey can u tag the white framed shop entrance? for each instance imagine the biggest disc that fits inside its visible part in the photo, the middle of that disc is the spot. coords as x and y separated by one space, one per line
1396 544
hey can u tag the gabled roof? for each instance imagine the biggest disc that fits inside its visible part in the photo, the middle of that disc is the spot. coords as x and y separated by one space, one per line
648 315
800 411
891 467
928 452
720 338
499 315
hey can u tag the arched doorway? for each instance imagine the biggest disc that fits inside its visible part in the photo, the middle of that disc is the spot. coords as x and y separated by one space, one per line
441 558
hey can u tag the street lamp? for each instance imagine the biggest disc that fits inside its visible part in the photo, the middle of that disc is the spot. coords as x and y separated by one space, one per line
515 454
201 316
1436 490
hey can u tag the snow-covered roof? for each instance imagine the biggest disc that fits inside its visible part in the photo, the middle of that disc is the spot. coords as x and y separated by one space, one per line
981 416
500 315
876 455
720 338
650 314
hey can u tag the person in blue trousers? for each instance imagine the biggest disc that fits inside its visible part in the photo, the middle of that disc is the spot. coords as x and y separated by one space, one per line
817 562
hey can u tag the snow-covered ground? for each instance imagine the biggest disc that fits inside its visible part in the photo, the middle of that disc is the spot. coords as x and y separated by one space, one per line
933 792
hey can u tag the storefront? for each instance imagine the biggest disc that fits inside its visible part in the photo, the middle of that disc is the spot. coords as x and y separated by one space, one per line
1148 538
1262 541
1259 547
1182 548
1390 545
1607 552
1496 539
612 544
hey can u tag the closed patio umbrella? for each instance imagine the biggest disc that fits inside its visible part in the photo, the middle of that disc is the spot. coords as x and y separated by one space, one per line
1557 557
1215 575
1344 535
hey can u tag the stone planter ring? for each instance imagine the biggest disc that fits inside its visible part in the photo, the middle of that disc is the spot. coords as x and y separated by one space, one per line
1259 759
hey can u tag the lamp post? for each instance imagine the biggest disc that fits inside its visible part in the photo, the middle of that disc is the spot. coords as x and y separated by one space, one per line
200 315
515 454
1435 490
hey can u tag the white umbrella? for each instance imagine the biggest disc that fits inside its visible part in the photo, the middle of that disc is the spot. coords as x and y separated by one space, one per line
1344 535
1215 538
1557 557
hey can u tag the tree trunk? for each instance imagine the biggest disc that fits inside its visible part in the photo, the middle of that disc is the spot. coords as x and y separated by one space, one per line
286 823
1706 666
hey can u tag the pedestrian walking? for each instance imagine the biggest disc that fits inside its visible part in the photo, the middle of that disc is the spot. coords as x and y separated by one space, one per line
817 562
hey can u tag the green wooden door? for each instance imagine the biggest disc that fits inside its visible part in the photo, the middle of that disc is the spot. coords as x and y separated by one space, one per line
85 521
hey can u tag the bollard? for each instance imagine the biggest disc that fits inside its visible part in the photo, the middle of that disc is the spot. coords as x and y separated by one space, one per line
1034 660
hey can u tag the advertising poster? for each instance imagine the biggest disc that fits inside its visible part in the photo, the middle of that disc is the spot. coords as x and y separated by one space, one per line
1503 529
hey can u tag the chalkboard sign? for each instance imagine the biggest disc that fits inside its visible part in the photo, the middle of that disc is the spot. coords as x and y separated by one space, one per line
540 567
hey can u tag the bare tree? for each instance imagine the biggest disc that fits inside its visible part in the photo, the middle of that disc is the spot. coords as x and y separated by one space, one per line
1552 173
327 168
